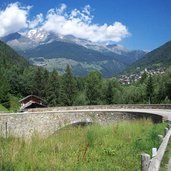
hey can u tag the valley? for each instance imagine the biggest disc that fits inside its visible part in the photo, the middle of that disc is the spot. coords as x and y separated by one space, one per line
79 68
85 85
83 55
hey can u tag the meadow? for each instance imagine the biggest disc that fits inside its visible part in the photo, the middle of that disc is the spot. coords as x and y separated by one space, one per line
116 147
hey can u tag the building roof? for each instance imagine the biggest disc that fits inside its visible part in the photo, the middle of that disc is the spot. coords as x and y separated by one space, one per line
30 96
32 105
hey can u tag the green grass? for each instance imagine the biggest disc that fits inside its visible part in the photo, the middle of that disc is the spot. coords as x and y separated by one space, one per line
3 109
167 156
14 104
115 147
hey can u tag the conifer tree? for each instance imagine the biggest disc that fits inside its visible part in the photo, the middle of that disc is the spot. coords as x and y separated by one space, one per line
4 90
37 85
68 89
109 93
93 87
150 89
53 89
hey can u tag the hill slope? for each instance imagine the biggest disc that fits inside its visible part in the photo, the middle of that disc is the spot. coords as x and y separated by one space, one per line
54 52
58 49
57 54
9 57
160 57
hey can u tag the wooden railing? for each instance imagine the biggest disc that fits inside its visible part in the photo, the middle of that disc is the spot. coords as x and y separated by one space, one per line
153 164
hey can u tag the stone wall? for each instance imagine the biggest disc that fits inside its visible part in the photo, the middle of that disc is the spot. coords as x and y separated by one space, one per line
47 123
120 106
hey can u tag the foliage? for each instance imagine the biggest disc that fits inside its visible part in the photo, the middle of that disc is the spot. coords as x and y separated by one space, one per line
3 109
4 90
69 87
18 79
8 57
93 87
109 93
14 103
53 89
150 88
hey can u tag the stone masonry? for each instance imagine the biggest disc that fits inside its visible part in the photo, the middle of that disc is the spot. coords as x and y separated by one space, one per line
45 123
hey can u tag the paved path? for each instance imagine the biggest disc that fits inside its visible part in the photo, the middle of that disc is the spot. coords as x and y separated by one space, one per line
166 113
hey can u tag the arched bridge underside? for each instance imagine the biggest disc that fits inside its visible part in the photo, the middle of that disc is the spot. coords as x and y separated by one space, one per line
46 122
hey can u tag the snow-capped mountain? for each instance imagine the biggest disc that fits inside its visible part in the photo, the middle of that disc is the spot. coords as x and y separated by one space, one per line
84 55
43 37
37 35
119 49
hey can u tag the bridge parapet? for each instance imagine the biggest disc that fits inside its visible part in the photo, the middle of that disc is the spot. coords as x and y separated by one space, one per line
47 123
120 106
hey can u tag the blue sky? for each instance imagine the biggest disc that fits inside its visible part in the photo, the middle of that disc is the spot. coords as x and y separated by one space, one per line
147 22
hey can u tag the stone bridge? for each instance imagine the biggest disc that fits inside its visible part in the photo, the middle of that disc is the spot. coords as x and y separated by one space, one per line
47 121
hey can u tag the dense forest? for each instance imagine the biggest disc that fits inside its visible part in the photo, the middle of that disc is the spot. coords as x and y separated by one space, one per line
67 90
19 79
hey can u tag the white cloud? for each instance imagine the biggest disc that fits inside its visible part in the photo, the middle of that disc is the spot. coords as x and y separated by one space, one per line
87 9
13 18
61 9
79 24
36 21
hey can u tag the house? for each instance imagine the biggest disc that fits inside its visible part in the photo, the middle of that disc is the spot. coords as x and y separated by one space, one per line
31 101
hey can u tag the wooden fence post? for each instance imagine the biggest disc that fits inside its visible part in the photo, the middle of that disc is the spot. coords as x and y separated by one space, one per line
6 130
165 131
145 161
154 152
160 138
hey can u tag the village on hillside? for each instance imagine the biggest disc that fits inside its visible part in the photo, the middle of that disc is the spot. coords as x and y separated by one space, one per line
128 79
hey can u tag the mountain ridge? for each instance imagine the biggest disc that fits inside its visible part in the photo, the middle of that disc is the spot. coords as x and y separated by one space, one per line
96 56
160 56
8 57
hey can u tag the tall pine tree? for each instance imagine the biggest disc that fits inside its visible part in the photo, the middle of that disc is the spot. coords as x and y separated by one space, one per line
68 89
109 93
4 90
53 89
93 87
150 89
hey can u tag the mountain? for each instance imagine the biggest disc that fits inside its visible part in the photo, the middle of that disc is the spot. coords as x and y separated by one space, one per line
55 51
19 42
160 57
9 57
58 49
11 37
80 58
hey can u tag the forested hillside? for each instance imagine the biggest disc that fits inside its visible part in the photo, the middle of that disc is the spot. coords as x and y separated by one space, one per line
160 57
19 79
8 57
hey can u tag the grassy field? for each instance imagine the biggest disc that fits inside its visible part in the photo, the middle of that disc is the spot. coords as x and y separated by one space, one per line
93 148
3 109
14 105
